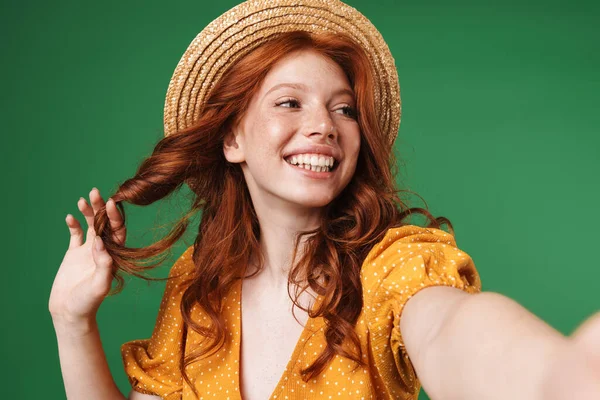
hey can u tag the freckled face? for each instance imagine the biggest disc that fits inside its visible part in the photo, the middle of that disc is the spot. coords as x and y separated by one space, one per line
305 100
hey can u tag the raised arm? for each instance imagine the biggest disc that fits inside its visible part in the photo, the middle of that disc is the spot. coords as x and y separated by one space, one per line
81 284
487 346
83 363
86 374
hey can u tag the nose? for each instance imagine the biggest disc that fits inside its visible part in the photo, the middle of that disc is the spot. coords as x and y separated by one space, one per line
321 124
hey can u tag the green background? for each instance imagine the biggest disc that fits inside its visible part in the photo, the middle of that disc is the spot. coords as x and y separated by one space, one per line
499 134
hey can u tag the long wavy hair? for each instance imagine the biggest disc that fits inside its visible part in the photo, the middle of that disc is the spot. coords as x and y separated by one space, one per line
229 231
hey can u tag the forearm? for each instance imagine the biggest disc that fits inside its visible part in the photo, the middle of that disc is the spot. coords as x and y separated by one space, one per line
83 363
492 348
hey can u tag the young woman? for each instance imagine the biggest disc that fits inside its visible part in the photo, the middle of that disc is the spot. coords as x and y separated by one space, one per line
305 280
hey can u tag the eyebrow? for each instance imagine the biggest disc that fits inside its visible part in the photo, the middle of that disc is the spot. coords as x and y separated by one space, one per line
301 86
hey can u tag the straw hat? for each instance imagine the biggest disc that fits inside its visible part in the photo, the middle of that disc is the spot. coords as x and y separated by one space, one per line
239 30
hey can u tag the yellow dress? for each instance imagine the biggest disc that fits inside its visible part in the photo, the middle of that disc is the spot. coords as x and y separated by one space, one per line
405 261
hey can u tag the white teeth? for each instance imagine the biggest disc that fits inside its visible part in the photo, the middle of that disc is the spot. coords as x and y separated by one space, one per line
312 162
316 168
313 159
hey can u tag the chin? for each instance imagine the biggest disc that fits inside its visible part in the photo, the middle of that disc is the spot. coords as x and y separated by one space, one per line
314 202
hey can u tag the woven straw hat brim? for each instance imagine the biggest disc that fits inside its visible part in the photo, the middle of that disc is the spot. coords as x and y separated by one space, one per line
247 25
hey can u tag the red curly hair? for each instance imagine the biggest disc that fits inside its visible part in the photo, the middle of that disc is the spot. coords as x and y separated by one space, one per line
228 232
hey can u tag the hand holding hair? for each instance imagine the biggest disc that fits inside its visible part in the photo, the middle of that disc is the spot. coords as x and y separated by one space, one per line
85 275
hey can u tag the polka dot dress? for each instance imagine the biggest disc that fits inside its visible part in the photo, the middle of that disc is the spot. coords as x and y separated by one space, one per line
406 260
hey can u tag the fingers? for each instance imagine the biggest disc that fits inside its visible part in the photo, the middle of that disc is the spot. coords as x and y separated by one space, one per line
90 209
97 203
102 277
116 221
88 214
75 230
96 200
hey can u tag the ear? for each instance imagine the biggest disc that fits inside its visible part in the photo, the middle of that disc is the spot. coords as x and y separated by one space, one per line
233 146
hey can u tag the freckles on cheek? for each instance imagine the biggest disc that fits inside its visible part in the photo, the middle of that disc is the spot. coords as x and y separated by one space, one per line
275 127
260 154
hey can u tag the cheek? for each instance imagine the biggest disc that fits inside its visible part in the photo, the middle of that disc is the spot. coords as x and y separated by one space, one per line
352 151
354 144
275 128
265 143
269 135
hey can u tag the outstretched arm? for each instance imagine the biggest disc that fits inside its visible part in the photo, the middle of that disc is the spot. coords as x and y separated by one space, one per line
487 346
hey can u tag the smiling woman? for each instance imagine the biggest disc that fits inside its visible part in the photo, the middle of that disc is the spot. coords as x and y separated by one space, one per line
281 117
272 228
317 126
292 228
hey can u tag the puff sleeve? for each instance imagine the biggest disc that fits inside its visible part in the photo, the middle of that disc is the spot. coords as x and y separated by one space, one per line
407 260
152 365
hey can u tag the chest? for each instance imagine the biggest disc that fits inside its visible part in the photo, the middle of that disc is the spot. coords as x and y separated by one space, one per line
269 336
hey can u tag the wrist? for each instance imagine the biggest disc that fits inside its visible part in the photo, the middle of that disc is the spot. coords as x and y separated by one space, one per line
74 327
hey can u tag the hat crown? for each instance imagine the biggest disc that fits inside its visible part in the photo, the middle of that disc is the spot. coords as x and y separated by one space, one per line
239 30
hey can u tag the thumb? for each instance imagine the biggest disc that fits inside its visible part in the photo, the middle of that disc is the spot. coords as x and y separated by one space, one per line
102 277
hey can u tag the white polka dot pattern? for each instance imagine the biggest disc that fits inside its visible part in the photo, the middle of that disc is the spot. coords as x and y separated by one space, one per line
405 261
152 365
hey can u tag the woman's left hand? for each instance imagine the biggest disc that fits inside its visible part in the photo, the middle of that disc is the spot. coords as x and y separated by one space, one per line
574 373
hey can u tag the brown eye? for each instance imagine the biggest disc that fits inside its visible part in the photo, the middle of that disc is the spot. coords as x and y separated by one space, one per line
349 111
292 103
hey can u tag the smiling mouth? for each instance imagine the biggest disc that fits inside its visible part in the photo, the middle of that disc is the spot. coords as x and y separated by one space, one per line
312 167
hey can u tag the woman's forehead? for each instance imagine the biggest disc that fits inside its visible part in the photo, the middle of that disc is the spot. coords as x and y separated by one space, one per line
305 70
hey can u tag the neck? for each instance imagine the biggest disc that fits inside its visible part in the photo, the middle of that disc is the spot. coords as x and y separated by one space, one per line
278 228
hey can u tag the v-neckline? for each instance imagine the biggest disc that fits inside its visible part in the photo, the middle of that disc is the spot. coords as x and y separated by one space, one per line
311 327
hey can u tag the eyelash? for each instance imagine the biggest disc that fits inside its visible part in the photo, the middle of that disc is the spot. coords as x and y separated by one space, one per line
352 112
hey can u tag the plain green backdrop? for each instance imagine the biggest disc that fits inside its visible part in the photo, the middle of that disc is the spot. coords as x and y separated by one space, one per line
499 133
